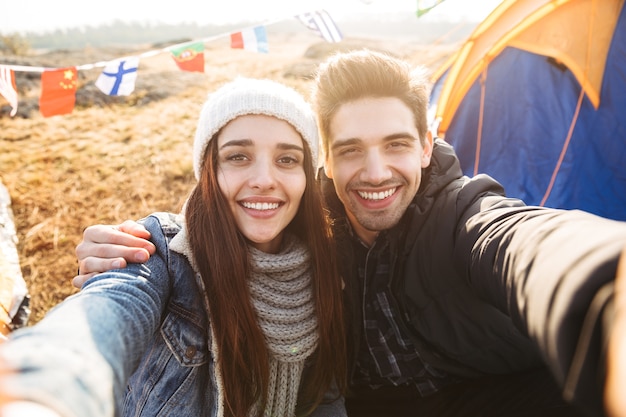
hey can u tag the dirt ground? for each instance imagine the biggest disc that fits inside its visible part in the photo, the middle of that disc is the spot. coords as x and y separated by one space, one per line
114 159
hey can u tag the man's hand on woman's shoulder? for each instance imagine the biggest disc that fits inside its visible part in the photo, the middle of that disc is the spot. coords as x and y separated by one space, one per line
106 247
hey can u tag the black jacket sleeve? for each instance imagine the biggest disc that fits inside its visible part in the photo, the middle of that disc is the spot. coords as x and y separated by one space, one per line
552 272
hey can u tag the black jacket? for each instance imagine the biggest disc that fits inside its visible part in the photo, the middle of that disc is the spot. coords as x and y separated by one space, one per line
487 285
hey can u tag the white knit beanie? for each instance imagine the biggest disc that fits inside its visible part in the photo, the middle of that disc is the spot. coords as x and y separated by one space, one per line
253 96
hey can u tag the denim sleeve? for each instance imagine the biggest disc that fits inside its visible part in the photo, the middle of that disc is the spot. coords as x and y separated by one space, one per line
77 359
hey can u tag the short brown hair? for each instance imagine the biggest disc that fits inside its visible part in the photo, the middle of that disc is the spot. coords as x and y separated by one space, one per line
346 77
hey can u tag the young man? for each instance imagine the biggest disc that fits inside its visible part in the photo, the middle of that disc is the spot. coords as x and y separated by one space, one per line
459 298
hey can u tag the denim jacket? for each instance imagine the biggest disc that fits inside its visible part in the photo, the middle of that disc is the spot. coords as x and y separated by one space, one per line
133 342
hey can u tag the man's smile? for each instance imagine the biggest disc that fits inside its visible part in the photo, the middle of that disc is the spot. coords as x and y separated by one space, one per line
377 195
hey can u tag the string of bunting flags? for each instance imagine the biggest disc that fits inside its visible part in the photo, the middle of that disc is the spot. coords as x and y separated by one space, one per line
58 85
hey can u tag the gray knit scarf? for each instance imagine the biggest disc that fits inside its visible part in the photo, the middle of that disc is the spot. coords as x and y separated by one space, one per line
280 287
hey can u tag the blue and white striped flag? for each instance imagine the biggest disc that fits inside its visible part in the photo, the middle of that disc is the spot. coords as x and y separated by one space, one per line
118 77
321 23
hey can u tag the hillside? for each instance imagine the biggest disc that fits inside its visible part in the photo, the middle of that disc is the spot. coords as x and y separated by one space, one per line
116 159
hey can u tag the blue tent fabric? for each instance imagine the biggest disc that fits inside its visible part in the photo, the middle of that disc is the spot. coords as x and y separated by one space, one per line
529 104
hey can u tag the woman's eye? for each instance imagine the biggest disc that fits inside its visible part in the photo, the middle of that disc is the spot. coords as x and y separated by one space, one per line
288 160
236 157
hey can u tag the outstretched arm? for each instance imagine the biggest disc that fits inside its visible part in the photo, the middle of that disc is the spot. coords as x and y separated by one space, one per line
553 272
106 247
78 358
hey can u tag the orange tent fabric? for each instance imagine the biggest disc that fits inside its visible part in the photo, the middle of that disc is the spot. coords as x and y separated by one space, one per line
566 32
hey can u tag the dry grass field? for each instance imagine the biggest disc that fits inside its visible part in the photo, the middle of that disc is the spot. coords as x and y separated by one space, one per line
113 160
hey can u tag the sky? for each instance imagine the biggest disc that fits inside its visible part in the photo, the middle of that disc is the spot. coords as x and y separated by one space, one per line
46 15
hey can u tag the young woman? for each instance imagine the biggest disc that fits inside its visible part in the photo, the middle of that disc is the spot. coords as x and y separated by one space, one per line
239 311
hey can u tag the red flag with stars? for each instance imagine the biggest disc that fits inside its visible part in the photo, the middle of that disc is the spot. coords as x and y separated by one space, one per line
58 91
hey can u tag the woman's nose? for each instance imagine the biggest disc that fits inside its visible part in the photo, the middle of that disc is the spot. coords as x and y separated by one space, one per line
262 175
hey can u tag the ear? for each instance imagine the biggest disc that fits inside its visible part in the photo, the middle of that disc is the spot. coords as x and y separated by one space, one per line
427 150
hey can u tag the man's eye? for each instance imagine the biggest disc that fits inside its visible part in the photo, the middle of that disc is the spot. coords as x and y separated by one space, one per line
406 143
398 144
348 151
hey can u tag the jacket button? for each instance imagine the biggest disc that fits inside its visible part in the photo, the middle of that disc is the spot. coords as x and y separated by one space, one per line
190 352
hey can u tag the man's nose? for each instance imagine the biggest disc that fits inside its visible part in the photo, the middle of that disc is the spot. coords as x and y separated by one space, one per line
376 169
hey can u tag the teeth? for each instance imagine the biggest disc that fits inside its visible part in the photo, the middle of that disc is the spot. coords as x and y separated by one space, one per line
377 196
260 206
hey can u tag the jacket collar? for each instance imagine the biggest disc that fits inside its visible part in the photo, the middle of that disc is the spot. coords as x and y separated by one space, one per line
180 244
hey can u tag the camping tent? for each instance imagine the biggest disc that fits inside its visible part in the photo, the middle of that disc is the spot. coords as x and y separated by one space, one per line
536 98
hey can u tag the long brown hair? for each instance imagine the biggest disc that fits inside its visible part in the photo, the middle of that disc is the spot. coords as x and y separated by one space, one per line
220 252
